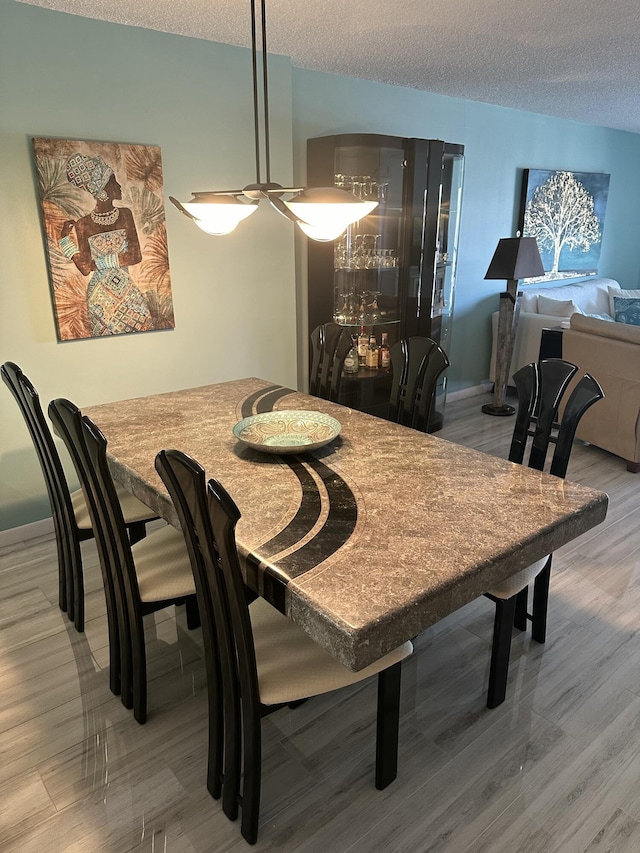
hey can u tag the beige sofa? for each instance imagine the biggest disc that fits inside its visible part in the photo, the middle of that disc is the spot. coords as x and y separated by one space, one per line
544 307
610 352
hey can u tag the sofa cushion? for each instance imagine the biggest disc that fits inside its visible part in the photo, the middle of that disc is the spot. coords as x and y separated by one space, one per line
627 310
618 331
557 307
589 297
626 294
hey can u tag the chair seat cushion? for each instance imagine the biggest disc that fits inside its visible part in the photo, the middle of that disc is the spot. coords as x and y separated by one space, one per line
132 508
512 586
162 566
292 666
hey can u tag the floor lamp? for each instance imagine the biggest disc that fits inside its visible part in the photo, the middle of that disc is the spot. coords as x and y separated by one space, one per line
513 259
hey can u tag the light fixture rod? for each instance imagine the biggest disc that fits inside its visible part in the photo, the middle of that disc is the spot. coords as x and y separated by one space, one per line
256 117
265 91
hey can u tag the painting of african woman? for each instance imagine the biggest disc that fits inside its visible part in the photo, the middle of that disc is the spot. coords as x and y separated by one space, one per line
104 224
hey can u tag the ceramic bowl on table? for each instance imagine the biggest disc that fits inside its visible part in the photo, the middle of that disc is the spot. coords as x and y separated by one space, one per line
287 431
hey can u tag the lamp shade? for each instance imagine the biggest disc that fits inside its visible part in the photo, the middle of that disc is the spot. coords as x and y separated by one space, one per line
218 214
515 258
328 210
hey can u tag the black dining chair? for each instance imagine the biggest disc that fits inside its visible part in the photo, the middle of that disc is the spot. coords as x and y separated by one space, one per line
330 345
417 364
72 524
140 579
541 387
261 659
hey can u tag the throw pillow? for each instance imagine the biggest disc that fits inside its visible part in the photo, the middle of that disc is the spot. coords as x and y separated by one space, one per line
627 310
600 317
556 307
614 293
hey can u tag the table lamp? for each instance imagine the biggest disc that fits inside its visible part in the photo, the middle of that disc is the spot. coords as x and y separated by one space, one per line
514 258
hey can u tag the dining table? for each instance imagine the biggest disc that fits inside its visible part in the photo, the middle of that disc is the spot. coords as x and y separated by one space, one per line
365 541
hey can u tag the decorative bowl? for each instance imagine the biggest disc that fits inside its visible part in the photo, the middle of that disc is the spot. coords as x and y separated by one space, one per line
287 431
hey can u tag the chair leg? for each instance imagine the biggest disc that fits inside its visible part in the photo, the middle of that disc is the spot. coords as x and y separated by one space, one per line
62 550
216 736
193 614
252 766
387 725
540 602
520 617
500 651
136 530
232 756
139 674
115 684
78 588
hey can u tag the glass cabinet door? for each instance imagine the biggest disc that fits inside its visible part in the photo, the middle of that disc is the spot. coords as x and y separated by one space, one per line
445 260
366 297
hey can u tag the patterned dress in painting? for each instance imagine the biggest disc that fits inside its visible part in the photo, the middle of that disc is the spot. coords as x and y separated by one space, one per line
115 303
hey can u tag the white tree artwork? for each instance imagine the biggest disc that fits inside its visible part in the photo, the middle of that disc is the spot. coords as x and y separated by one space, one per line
564 211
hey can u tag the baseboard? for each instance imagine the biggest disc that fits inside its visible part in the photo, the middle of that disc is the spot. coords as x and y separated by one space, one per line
26 532
474 391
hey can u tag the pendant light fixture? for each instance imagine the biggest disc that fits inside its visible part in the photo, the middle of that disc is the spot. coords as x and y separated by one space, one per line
322 213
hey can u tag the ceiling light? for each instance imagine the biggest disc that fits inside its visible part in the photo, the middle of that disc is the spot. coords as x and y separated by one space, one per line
322 213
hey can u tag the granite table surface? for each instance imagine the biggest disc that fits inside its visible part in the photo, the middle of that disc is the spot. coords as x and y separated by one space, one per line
367 541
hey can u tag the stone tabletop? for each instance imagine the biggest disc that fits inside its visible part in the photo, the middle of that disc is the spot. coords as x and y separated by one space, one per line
367 541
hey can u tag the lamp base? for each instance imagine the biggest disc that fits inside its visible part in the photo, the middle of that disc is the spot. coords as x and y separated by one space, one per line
499 411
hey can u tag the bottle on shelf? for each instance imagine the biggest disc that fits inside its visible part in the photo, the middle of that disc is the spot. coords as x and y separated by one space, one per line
384 354
372 354
351 363
362 346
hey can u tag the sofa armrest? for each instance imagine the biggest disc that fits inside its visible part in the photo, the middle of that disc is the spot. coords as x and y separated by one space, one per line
613 423
527 343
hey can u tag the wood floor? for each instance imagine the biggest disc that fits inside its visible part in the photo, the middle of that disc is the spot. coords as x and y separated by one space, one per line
556 769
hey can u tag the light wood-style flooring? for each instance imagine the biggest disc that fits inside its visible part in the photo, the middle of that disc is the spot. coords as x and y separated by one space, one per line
556 769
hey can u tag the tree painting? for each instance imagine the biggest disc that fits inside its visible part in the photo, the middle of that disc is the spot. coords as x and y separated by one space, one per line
565 211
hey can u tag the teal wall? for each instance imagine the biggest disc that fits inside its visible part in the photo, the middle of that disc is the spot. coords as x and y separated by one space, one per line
234 297
499 143
239 300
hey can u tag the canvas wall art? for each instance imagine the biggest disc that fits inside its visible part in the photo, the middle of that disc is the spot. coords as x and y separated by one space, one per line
104 223
565 212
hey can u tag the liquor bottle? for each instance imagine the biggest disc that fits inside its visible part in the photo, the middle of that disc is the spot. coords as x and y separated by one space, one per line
372 354
384 354
351 363
362 346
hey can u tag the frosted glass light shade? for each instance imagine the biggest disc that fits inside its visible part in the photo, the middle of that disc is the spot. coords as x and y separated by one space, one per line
219 214
322 234
328 210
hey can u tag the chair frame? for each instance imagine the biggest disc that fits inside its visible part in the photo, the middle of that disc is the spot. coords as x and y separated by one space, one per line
125 609
541 387
210 516
67 533
417 364
330 345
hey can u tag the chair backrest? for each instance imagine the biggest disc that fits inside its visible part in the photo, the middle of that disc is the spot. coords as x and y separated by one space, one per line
65 528
330 345
541 387
208 517
88 449
417 364
68 421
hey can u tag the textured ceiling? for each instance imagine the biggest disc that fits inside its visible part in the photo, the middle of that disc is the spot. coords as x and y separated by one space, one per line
578 59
